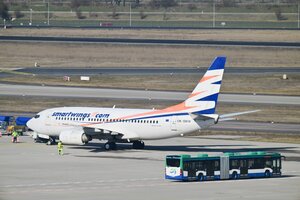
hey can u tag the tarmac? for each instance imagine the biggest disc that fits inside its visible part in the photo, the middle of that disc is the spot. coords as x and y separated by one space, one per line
143 41
35 171
81 92
79 71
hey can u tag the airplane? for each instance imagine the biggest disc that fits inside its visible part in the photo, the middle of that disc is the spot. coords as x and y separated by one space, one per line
79 125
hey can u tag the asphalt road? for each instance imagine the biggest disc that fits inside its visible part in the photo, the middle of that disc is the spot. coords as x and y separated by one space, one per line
39 26
148 41
257 127
35 171
58 71
77 92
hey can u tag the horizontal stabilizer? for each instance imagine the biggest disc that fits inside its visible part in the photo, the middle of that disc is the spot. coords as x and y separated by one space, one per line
229 116
227 119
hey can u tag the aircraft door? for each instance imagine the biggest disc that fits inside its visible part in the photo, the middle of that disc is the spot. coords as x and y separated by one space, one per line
173 122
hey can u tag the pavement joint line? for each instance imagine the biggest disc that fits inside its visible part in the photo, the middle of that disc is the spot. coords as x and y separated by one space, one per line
171 183
79 182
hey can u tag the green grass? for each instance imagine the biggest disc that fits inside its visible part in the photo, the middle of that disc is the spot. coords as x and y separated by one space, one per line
202 24
254 8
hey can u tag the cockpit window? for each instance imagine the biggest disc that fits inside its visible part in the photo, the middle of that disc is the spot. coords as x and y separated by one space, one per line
37 116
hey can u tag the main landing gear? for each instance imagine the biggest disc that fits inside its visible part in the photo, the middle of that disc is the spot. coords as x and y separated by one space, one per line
110 146
138 145
51 141
135 145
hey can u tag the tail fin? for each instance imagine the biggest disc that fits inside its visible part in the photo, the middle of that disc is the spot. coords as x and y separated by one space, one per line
204 98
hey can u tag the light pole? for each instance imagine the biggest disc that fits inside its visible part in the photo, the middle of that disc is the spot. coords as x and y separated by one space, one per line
214 15
130 14
48 14
298 16
30 17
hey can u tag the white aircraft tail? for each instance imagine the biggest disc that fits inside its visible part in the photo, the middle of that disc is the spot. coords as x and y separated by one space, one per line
203 100
204 97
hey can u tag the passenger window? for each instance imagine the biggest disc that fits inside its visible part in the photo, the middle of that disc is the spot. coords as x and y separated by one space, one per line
217 165
234 164
269 163
251 164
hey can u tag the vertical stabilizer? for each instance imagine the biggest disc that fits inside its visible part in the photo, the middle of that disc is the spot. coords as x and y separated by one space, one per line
204 98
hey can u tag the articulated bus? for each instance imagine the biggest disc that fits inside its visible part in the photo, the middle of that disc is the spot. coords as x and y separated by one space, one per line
226 166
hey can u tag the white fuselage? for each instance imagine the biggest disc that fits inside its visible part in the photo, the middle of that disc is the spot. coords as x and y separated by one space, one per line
144 127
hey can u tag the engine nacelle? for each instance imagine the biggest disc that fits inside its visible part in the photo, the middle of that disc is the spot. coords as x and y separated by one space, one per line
74 136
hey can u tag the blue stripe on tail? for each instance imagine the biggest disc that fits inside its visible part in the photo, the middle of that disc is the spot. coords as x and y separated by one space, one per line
219 63
213 97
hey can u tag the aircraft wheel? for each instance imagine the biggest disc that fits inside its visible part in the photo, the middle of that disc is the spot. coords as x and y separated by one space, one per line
110 146
51 141
138 145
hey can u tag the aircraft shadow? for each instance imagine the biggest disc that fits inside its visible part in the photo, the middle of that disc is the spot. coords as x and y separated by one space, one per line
96 147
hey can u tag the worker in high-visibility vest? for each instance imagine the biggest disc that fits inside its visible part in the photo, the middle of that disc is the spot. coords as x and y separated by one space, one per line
15 135
60 148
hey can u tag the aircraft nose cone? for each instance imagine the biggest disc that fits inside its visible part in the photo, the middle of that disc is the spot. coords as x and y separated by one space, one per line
29 124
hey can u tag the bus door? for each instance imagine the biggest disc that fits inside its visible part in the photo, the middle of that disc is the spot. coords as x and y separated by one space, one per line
173 123
276 165
210 168
243 168
191 172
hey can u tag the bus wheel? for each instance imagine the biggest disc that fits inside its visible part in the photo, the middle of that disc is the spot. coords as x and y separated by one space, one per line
200 177
267 174
234 175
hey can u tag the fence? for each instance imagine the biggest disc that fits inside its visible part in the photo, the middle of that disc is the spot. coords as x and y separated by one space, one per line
208 16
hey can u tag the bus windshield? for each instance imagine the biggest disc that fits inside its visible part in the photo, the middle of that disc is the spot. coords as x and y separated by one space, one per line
171 162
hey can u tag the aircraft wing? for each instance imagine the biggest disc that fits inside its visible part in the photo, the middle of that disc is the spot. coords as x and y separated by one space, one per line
230 116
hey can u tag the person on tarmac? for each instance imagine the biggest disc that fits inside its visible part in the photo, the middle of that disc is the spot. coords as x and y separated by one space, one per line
15 135
60 148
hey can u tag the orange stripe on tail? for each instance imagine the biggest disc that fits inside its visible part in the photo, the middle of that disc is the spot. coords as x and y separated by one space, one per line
205 78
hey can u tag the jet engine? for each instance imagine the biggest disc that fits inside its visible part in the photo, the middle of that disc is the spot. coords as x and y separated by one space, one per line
74 136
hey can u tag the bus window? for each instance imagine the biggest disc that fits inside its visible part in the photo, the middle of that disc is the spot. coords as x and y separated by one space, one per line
277 162
201 165
187 166
259 163
243 163
217 165
234 164
250 163
173 162
190 165
269 164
